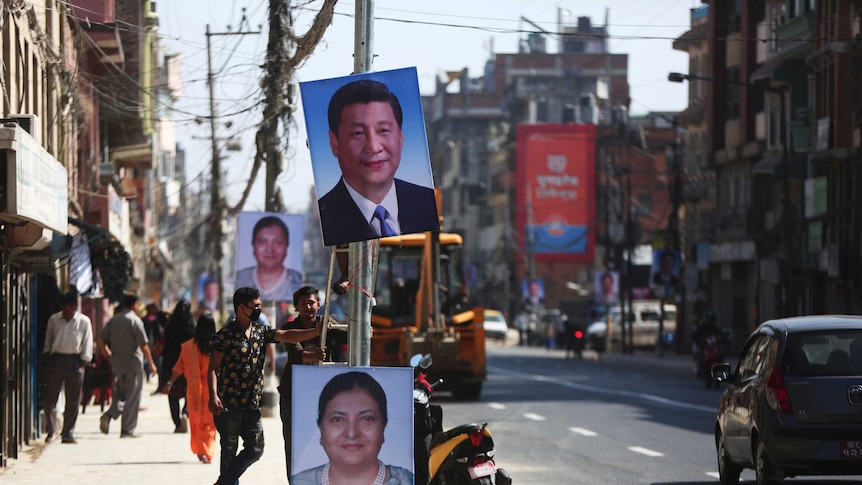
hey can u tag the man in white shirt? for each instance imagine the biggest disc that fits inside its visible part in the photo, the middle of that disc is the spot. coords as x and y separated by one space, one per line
68 349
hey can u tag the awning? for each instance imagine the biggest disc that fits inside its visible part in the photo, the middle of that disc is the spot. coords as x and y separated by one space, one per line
768 164
693 114
778 69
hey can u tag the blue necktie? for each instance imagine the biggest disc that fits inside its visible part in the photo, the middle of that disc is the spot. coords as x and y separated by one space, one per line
380 214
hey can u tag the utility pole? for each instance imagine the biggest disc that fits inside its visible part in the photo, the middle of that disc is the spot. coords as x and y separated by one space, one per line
217 205
359 303
277 78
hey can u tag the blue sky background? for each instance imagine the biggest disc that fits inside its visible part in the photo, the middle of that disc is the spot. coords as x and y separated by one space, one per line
404 83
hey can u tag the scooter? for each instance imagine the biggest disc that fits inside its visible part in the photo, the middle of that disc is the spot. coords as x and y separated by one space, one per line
708 353
460 456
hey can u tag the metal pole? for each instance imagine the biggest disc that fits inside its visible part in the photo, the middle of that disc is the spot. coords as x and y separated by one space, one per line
216 202
215 190
363 254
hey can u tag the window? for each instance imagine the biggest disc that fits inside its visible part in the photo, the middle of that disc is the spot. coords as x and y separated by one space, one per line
733 93
734 16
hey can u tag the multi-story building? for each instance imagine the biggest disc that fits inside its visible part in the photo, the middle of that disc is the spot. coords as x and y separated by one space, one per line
472 125
832 212
775 81
81 130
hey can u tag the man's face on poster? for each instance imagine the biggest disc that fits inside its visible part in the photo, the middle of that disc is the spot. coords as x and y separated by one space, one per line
666 264
607 284
211 291
368 147
270 247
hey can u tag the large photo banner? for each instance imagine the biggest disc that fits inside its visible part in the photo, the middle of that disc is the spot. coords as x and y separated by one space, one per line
556 191
269 253
348 420
369 156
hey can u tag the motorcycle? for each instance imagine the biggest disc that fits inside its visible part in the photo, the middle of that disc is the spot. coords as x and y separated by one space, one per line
708 345
708 352
576 340
463 455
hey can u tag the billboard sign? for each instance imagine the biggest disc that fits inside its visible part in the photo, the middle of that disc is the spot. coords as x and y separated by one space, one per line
556 191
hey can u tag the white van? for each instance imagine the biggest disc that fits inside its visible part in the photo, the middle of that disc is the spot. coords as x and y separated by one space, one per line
645 322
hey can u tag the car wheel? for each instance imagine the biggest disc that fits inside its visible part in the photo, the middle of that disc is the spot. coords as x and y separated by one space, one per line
763 470
728 473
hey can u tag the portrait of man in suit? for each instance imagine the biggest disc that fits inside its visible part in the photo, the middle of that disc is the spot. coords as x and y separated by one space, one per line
365 134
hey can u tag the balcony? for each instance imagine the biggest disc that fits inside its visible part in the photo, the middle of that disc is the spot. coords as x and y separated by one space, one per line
97 18
794 36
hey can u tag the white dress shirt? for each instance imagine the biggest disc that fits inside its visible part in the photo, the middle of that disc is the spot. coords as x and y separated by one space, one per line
390 203
73 336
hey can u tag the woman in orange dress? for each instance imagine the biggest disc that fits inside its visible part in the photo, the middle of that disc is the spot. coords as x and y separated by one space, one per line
193 364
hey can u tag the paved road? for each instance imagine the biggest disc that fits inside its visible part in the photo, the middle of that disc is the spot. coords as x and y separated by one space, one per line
161 456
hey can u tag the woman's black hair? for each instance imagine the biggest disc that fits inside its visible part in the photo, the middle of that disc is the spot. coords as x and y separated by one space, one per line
204 329
347 382
270 221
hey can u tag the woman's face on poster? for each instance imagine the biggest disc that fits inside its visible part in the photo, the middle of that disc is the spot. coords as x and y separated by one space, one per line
270 247
351 428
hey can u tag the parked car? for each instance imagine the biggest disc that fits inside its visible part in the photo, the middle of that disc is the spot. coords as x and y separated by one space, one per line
495 325
645 326
793 406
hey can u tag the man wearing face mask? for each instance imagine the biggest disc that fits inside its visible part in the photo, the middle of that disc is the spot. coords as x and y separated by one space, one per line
235 381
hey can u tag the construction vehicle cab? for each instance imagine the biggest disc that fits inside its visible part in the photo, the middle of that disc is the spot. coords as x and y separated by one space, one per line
411 318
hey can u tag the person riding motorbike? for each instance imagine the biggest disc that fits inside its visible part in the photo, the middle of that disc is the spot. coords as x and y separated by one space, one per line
707 345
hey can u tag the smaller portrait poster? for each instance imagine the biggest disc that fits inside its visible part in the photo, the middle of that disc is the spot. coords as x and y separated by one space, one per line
346 419
269 253
369 155
664 274
606 287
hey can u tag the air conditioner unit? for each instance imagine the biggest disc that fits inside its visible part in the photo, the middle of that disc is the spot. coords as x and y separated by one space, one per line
30 237
30 123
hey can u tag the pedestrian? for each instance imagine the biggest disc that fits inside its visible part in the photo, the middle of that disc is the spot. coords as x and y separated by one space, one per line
193 364
68 349
235 381
154 326
124 341
308 352
180 329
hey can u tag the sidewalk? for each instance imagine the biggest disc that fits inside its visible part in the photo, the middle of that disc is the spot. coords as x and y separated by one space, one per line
159 456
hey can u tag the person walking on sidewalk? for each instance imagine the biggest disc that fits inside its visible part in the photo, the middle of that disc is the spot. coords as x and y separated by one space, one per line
68 349
180 329
124 340
193 364
235 381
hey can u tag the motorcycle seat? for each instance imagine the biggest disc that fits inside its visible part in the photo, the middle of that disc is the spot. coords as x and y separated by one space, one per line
458 430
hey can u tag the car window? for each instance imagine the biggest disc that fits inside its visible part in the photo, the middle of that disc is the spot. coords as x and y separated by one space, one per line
832 353
752 360
764 356
649 316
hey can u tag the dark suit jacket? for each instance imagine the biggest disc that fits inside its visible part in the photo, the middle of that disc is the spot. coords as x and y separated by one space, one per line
343 222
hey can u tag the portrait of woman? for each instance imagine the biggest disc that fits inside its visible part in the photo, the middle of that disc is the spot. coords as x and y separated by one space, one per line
275 244
352 419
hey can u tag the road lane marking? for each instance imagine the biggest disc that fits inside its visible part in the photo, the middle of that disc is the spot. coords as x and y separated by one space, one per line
600 390
496 405
534 417
715 475
583 432
645 451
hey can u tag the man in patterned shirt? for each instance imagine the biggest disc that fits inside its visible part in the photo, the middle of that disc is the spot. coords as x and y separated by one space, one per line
236 381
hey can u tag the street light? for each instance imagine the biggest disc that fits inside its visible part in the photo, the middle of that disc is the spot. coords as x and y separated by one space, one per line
677 77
